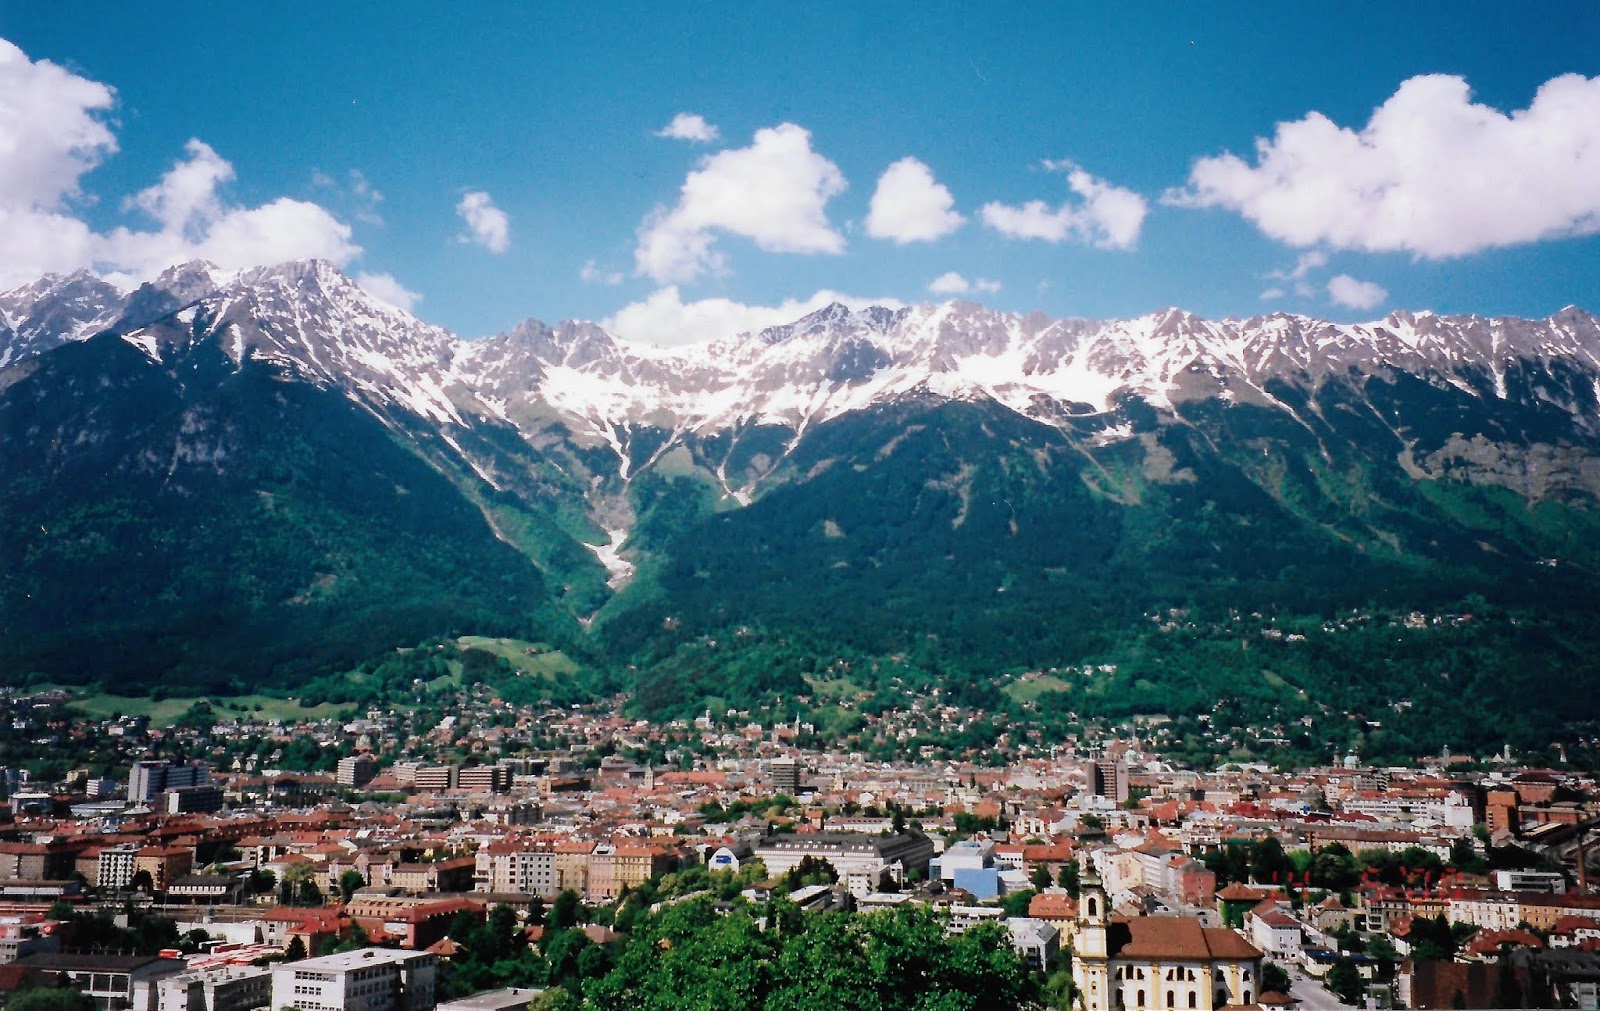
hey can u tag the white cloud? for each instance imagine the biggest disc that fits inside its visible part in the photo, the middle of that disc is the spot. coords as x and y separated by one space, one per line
1272 294
53 131
909 205
385 288
1353 294
1298 275
1432 173
689 126
664 318
590 273
487 225
196 223
774 192
187 195
357 194
1107 216
952 283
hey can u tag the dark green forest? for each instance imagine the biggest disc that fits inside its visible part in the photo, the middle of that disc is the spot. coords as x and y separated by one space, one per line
211 529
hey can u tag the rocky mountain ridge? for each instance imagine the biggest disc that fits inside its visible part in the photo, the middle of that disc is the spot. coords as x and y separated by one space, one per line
309 316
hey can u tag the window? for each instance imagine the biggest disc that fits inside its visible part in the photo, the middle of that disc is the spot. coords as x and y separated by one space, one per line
1172 998
1141 998
1247 996
1094 907
1192 998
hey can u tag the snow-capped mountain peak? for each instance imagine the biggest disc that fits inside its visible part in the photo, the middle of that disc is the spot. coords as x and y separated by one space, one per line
310 318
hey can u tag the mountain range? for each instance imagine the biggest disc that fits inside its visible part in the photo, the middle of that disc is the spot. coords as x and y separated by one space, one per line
219 479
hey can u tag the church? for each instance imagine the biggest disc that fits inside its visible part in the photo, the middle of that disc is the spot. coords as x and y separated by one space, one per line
1151 963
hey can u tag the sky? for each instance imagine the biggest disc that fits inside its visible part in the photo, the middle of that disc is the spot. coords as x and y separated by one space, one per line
680 171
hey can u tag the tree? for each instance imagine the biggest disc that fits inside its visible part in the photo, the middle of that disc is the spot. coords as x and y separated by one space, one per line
1274 978
564 912
1040 878
536 912
1382 949
299 886
1016 903
1268 862
296 950
1344 979
809 870
1334 868
349 882
1068 878
50 999
141 882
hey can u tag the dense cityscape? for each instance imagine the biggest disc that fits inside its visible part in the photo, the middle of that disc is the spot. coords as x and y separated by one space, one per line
503 855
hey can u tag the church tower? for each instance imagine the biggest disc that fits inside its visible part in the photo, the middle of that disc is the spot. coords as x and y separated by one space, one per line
1091 970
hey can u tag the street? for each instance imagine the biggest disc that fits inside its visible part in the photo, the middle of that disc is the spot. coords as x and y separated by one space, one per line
1312 995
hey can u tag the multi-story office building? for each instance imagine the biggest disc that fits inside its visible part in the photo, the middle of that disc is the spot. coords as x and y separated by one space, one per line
369 979
148 780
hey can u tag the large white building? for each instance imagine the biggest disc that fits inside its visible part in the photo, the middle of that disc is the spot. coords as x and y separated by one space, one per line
859 859
1158 962
512 865
371 979
219 988
115 868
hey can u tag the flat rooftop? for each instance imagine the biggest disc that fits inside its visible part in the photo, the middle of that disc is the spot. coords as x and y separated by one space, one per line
345 960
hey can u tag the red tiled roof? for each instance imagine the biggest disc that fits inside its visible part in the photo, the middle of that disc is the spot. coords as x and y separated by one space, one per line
1176 937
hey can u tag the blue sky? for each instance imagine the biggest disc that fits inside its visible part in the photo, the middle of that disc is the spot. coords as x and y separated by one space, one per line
1068 158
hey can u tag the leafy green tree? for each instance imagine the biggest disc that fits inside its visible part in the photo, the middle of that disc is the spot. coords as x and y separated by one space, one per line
1334 867
1268 863
296 950
1274 978
1068 878
46 998
564 911
1016 903
349 882
809 870
1344 979
1040 878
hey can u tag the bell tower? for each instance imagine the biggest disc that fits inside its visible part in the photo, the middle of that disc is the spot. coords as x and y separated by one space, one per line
1091 969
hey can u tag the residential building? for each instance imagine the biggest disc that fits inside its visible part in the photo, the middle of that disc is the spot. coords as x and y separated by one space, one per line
164 864
515 866
484 778
115 867
148 780
356 771
23 861
216 988
201 798
1037 941
368 979
1108 778
785 776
